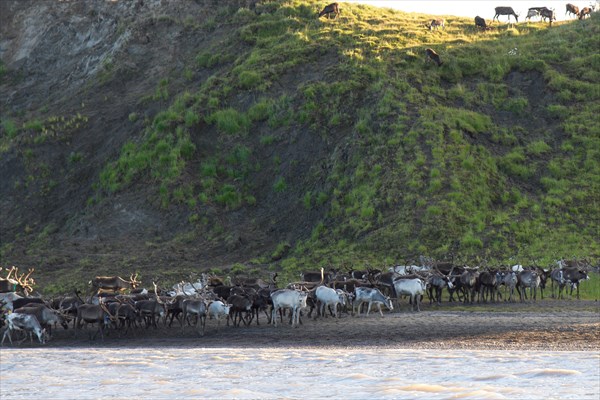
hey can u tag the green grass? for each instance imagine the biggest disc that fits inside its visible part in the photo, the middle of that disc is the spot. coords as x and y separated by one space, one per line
413 159
590 289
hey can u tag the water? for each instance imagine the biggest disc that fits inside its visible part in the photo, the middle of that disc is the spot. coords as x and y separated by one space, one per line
169 373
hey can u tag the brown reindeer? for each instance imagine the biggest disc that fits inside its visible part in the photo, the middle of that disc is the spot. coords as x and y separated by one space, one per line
433 56
572 10
480 23
436 23
585 12
113 283
330 9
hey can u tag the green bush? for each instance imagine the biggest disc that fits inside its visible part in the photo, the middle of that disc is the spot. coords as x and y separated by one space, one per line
260 111
9 128
280 186
230 121
249 79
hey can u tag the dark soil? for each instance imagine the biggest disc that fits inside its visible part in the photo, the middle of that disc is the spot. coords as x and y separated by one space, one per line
545 325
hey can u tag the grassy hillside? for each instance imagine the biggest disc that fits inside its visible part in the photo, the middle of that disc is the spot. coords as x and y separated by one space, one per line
285 142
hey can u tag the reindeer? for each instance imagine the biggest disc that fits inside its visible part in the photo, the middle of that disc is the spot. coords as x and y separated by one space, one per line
505 11
23 322
431 55
480 23
436 23
113 283
585 12
94 314
330 9
572 10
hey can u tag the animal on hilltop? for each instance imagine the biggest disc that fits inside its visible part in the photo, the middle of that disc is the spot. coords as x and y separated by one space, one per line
548 14
505 11
480 23
572 10
585 12
533 12
329 9
436 23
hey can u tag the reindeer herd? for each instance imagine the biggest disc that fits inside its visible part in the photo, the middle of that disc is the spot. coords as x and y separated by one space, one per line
544 13
114 304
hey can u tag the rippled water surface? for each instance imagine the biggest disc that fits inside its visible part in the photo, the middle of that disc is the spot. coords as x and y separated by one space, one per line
296 373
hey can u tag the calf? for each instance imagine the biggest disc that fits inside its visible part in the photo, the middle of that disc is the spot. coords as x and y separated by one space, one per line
436 23
23 322
330 9
572 10
413 288
505 11
480 23
533 12
431 55
371 296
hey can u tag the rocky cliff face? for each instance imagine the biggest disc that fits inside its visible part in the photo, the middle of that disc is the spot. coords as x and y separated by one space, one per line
76 74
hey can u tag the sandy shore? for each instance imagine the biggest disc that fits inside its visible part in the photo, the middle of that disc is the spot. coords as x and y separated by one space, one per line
545 325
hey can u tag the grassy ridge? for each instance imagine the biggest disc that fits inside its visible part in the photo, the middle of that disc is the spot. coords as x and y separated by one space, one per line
493 155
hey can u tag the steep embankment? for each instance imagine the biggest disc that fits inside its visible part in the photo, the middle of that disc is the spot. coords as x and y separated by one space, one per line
170 137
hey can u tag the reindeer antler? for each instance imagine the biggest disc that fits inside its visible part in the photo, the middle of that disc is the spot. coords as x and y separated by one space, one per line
10 271
24 280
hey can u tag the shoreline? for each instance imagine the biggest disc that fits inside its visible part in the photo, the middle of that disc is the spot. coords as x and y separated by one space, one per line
573 326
